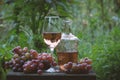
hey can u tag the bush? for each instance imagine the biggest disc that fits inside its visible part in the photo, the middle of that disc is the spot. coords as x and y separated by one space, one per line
106 62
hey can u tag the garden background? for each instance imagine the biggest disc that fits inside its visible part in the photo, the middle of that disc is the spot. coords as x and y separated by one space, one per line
95 22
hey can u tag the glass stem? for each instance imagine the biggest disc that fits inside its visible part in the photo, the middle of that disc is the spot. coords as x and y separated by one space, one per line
52 50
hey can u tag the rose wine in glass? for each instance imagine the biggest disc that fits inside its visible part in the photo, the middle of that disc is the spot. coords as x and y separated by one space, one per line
52 39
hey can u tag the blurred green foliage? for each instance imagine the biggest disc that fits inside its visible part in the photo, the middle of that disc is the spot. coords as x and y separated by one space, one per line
95 23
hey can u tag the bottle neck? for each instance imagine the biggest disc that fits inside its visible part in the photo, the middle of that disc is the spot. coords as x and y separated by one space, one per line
67 29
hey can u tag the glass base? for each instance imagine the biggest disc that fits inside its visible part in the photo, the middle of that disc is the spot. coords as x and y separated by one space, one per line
53 69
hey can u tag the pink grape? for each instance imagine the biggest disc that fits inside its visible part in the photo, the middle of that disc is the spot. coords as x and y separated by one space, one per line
41 66
25 49
39 72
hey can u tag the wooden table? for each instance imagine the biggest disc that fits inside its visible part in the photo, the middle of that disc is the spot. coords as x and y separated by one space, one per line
50 76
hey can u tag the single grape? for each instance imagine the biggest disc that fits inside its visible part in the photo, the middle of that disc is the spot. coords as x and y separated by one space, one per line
66 66
39 72
17 65
27 55
25 70
70 64
41 66
89 67
35 61
15 56
20 69
82 67
39 57
88 61
16 50
25 65
23 58
54 63
49 58
25 49
44 54
34 54
84 64
33 67
75 68
17 60
6 65
14 69
22 62
44 58
31 50
29 62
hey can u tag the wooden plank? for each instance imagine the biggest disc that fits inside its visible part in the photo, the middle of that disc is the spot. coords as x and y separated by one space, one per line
50 76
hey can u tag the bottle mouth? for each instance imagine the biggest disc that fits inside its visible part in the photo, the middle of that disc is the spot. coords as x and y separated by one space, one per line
69 22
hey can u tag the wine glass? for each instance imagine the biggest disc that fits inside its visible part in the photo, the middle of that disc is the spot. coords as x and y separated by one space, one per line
51 32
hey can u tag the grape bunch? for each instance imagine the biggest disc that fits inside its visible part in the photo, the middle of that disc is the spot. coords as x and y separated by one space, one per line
18 59
29 61
43 62
83 66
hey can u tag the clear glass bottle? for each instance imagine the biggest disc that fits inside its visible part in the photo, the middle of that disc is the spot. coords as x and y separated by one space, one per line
67 49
